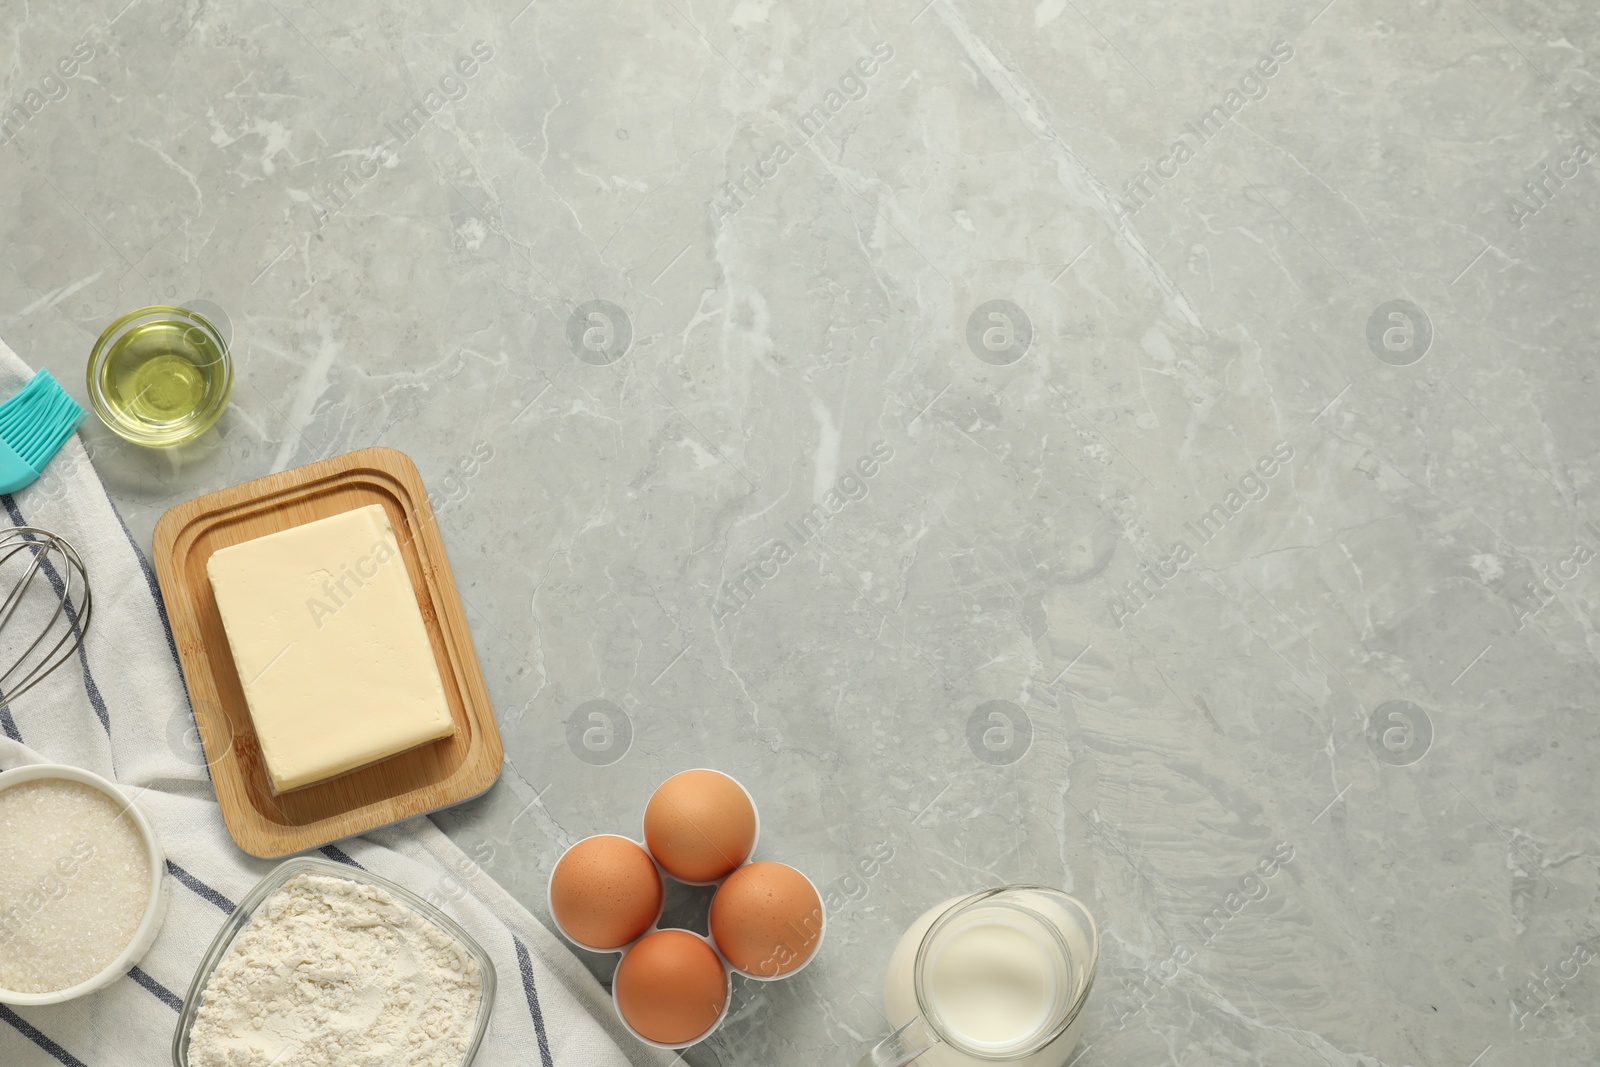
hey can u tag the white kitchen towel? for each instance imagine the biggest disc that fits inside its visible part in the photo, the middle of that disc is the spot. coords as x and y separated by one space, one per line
119 709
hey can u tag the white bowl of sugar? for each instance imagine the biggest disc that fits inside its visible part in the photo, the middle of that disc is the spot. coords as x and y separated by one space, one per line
82 884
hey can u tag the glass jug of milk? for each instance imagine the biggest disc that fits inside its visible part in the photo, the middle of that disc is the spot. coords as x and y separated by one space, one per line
997 977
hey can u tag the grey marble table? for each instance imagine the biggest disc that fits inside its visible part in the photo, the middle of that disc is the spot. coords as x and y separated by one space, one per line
1225 376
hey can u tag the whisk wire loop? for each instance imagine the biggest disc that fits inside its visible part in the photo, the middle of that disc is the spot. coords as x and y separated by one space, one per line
68 581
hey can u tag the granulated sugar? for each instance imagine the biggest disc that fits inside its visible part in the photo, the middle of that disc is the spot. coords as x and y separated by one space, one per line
330 972
74 884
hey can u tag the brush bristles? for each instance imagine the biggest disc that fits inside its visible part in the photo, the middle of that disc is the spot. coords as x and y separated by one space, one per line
38 419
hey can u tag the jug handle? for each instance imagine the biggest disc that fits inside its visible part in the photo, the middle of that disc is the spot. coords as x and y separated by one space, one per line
902 1046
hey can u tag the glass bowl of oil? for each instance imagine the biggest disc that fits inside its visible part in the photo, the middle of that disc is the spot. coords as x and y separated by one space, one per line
160 376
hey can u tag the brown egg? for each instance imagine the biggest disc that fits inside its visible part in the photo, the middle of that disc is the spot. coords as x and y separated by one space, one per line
605 892
671 987
767 919
700 825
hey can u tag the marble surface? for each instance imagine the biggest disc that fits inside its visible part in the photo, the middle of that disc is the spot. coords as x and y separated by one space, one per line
1225 500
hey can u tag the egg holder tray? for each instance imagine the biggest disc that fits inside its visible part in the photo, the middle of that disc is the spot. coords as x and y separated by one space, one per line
728 969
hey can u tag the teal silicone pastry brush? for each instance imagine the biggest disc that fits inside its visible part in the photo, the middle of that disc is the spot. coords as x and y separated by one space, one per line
33 425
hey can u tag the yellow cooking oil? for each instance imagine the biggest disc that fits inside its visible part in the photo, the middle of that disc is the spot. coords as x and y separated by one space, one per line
163 377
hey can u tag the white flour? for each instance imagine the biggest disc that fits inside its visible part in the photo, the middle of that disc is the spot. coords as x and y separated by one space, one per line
332 972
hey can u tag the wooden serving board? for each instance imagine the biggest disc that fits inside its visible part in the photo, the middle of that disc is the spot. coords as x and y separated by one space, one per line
424 779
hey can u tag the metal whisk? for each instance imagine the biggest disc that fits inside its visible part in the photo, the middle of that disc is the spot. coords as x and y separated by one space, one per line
65 581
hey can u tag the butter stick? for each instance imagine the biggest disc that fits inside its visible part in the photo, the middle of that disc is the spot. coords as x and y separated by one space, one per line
330 647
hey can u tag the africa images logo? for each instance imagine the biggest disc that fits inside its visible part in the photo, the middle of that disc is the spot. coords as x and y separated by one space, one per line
852 87
1252 87
335 194
1543 187
764 566
1253 486
52 88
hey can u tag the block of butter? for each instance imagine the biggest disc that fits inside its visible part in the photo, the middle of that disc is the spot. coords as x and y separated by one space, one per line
330 646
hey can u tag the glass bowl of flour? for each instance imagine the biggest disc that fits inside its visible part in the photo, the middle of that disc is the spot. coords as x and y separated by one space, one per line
327 965
82 884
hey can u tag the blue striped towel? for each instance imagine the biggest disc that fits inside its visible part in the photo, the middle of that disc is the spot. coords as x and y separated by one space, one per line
120 710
